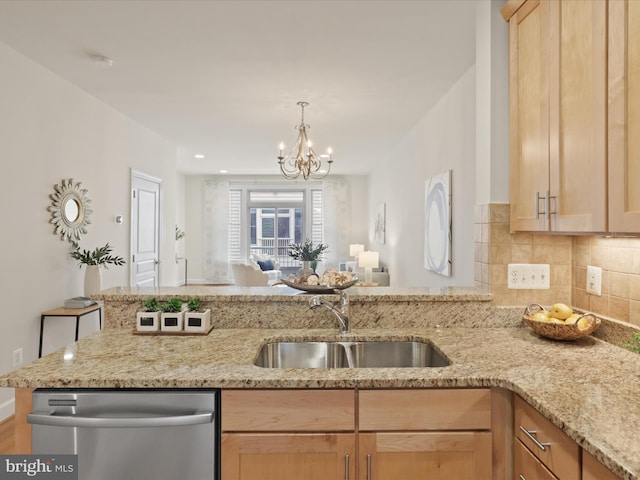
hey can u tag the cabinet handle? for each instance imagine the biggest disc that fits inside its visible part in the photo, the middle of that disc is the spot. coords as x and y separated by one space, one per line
521 477
538 205
547 205
368 466
346 466
530 434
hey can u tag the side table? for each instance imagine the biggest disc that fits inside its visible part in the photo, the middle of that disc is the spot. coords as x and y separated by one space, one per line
68 312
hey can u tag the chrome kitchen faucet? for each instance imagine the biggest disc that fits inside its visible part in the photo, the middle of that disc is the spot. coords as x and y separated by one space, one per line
339 309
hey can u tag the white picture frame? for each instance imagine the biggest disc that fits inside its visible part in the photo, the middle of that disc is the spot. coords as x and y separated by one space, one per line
380 224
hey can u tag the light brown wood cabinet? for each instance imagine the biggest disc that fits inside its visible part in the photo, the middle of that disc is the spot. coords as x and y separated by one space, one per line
624 116
542 451
527 466
592 469
546 442
288 434
558 113
282 456
312 434
417 434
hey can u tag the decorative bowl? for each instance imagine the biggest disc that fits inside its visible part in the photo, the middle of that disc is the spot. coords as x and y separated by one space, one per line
560 331
318 288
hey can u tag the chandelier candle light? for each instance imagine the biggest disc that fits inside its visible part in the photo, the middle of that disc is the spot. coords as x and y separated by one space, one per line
302 159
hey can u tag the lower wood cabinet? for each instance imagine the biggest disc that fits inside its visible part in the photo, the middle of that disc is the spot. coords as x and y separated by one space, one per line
440 434
527 466
592 469
422 455
295 456
550 445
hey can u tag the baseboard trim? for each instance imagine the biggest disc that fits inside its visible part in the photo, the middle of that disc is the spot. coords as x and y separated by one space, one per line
7 409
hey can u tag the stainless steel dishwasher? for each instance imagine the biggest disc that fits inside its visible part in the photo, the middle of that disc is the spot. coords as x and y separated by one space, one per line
131 434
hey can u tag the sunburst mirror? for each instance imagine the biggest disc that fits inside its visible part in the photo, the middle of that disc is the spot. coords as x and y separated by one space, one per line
70 210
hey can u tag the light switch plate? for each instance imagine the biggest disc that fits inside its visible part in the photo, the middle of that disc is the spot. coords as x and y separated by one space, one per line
594 280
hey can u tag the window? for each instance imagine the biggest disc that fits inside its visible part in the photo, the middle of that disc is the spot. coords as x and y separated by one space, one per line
274 219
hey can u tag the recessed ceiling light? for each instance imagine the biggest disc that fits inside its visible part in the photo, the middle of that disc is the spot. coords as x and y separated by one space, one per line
102 60
198 155
223 171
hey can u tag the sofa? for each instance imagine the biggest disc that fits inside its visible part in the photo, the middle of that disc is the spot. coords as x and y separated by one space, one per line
379 275
267 265
245 275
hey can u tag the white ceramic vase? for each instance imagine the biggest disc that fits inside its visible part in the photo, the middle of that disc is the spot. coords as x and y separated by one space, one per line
92 280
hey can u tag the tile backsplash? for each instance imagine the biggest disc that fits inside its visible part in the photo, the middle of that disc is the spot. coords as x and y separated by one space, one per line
495 247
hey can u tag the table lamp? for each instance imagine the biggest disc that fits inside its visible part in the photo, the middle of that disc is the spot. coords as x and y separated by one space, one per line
368 261
355 249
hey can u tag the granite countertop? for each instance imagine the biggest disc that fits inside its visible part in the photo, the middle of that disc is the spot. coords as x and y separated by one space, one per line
588 388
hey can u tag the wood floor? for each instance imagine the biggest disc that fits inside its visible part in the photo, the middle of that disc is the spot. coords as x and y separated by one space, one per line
6 436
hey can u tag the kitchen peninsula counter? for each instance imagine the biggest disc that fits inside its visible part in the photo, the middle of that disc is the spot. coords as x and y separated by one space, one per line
588 388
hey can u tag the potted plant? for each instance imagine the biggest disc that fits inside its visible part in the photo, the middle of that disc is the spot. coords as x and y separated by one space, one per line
306 253
99 258
172 315
149 319
196 319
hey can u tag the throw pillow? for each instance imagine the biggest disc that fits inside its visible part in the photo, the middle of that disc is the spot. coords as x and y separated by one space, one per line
265 265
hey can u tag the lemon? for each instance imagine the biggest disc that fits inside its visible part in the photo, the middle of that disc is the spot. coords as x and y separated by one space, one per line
540 317
573 318
561 311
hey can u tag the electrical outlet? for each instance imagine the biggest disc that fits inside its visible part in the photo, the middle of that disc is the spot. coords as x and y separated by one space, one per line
533 276
594 280
17 357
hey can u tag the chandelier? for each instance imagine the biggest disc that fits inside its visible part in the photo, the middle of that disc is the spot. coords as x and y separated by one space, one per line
302 159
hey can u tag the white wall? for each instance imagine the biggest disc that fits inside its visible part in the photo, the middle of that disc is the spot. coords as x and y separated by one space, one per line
50 130
194 199
444 139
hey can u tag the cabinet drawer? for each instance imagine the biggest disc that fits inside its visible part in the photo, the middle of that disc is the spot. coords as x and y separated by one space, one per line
527 466
439 409
288 410
554 448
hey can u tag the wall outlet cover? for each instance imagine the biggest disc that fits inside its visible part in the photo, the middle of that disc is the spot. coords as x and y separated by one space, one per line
533 276
594 280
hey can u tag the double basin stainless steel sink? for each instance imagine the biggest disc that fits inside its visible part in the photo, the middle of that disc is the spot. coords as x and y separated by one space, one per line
358 354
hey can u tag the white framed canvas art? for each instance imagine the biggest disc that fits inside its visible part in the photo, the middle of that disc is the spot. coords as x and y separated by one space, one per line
380 224
437 231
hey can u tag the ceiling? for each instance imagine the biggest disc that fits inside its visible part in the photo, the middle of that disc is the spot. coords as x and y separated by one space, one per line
222 78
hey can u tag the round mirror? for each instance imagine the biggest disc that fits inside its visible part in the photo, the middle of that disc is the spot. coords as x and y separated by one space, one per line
69 210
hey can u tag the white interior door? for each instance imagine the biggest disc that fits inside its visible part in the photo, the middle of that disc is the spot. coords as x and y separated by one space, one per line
145 230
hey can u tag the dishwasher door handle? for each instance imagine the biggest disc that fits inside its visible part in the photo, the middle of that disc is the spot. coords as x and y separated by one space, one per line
49 418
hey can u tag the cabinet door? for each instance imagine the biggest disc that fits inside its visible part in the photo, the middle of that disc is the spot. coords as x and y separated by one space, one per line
592 469
420 455
295 456
624 116
529 114
578 111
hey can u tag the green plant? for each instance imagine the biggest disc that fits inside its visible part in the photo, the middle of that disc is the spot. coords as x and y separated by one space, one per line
193 304
179 233
305 251
173 305
634 345
101 256
151 305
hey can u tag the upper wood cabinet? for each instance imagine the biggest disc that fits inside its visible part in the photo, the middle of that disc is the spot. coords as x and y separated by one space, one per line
624 116
558 108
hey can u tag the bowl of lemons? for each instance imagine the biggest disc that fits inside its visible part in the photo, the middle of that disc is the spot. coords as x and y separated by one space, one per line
560 322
